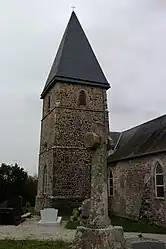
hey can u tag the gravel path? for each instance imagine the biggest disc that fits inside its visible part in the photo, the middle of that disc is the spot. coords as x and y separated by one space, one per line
31 230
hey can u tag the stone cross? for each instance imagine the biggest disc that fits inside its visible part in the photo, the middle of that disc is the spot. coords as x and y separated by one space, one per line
73 7
97 232
96 141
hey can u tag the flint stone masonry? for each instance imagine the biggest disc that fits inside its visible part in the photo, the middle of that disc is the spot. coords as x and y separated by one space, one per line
62 148
137 188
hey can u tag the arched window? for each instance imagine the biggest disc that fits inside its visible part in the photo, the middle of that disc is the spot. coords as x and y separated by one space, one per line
82 97
49 103
159 181
110 184
45 180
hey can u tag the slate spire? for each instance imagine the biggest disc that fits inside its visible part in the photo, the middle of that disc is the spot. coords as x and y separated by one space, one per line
75 61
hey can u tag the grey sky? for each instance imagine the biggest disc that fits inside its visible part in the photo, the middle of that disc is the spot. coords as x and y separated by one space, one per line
128 37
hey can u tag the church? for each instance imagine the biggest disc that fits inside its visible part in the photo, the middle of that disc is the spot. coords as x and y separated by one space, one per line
74 98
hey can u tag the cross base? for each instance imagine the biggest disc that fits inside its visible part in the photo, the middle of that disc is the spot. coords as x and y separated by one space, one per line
106 238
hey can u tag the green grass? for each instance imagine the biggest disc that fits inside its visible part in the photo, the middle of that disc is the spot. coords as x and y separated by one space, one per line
128 225
66 218
140 226
72 224
32 244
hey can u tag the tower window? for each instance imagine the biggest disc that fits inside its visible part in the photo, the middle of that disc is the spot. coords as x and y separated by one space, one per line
45 144
82 97
49 103
45 176
159 181
110 184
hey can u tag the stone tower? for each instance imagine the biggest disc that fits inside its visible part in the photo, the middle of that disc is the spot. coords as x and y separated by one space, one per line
74 98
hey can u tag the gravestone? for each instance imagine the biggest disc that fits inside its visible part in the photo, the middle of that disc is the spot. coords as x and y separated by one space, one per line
97 232
11 211
49 216
144 243
16 204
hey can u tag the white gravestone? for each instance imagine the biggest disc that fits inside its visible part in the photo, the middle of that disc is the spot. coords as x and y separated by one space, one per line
49 216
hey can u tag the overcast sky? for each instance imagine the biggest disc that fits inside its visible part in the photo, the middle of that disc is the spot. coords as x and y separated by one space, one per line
129 39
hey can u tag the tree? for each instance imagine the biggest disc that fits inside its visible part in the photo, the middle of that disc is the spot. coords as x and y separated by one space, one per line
14 181
31 189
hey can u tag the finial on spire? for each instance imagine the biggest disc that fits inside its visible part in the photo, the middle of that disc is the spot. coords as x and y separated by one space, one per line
73 7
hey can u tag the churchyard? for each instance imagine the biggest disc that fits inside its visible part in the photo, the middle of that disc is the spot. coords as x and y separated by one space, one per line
89 228
129 225
19 229
93 227
29 234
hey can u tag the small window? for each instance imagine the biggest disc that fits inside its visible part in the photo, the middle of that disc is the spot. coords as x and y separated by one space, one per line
82 98
45 176
159 181
49 103
110 183
45 144
122 180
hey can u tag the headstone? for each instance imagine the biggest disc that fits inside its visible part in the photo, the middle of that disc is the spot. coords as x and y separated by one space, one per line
7 216
144 243
16 203
11 211
49 216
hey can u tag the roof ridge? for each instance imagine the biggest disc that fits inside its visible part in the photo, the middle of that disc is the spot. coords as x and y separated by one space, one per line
149 121
118 141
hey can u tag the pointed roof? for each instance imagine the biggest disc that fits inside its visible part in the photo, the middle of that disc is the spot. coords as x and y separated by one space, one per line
75 61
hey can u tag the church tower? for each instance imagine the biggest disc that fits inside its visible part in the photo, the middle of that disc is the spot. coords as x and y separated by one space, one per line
74 98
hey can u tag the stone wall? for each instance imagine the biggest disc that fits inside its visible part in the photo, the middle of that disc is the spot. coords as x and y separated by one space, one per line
62 139
134 189
71 173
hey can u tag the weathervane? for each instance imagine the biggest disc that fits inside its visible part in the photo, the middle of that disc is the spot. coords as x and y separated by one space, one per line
73 7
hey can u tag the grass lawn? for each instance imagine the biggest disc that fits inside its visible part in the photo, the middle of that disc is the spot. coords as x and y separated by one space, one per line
128 225
140 226
32 244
